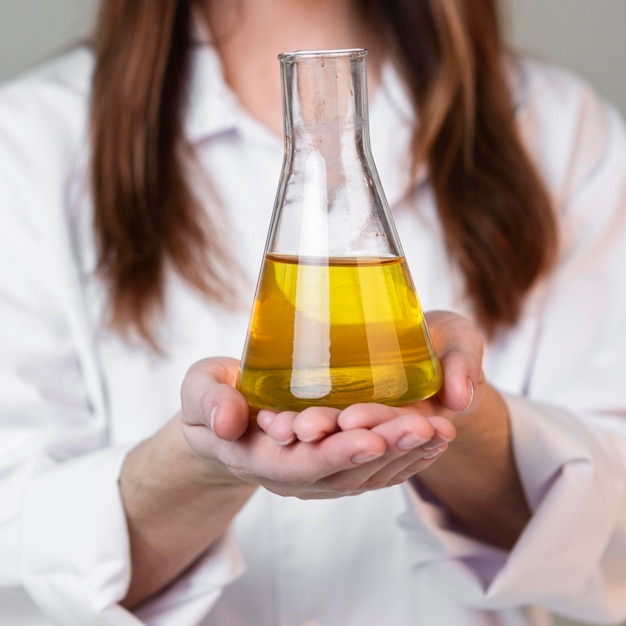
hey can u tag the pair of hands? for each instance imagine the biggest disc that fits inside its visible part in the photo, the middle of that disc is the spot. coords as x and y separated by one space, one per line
323 452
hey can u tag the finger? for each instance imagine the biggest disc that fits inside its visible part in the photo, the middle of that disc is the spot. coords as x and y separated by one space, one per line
295 469
208 398
407 431
407 436
407 472
366 415
393 468
278 426
311 424
315 423
445 432
460 349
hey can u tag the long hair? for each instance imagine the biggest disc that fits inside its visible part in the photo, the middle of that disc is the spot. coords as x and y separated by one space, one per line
495 211
147 216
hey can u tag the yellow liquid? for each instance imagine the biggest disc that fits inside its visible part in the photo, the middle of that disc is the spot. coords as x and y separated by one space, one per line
334 332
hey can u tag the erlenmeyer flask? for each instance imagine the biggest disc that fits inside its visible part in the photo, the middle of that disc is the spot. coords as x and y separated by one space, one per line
336 318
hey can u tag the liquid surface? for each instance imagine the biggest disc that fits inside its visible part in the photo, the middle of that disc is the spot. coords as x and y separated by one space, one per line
334 332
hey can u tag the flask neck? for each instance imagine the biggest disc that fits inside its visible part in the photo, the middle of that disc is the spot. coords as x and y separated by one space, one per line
325 103
330 202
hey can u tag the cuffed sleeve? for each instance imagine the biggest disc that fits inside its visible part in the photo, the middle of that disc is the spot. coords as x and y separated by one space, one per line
74 544
75 559
573 476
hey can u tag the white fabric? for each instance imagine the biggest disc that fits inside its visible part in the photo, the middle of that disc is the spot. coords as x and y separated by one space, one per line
74 397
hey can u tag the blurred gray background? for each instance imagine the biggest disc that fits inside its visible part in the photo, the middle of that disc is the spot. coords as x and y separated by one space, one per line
585 35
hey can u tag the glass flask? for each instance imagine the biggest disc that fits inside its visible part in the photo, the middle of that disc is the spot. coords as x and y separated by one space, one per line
336 318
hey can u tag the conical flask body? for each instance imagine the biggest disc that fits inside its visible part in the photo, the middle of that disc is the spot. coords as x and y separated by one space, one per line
336 318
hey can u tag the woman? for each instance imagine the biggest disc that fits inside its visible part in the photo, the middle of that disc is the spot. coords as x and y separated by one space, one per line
137 183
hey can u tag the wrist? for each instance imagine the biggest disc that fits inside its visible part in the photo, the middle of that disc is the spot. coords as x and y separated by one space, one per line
165 466
176 504
482 454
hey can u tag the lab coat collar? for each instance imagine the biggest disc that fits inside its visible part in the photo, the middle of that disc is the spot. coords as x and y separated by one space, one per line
212 107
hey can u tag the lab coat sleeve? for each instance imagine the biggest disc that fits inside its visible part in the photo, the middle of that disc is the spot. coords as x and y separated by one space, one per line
63 533
569 419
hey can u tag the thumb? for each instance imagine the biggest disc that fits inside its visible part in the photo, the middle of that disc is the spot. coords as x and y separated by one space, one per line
460 348
209 398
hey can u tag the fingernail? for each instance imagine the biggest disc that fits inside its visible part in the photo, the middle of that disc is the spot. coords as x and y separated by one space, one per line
410 441
470 392
212 417
436 452
311 438
365 457
436 443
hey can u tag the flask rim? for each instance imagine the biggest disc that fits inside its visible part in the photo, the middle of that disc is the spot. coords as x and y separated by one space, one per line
314 55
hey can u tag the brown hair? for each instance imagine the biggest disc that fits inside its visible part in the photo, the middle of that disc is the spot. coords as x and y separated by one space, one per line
495 211
147 216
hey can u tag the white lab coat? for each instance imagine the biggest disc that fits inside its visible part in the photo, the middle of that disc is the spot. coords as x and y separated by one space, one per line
74 397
